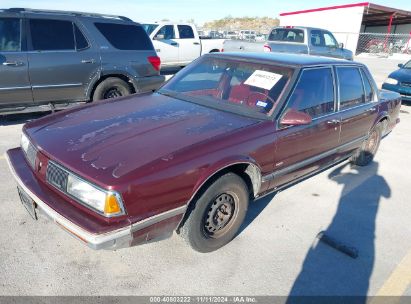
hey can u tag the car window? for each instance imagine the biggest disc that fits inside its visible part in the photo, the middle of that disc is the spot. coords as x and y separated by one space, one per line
251 86
314 93
130 37
329 40
81 41
351 88
61 37
369 91
285 34
10 35
317 38
167 31
185 31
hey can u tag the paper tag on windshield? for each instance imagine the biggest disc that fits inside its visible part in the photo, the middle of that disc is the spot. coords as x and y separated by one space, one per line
263 79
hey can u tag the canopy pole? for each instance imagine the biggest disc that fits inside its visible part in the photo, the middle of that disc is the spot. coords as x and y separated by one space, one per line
388 30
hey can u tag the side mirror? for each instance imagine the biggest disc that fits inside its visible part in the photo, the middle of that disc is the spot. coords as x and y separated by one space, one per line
159 37
295 118
400 65
341 45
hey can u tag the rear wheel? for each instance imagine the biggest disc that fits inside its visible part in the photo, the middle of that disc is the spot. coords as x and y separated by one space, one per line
217 215
111 87
367 151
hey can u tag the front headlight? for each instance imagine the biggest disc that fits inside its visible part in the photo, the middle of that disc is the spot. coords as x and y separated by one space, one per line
391 81
28 149
106 202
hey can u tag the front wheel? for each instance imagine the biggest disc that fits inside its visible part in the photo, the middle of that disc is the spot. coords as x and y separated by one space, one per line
365 154
217 215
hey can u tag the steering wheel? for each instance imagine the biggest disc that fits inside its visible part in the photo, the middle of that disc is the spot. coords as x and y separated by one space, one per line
264 99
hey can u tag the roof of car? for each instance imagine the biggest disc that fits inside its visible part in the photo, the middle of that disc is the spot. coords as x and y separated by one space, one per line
287 59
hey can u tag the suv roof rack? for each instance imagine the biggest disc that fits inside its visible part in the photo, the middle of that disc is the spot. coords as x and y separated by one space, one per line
72 13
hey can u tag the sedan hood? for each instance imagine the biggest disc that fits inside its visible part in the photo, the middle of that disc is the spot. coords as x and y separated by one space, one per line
402 75
113 138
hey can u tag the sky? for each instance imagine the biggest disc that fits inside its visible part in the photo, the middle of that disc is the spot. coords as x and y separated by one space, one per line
183 10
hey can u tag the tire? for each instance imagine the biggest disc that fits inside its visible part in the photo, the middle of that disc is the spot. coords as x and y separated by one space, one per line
111 87
227 198
365 154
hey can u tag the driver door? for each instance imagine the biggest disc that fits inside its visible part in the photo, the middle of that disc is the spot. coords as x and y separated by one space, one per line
305 148
166 45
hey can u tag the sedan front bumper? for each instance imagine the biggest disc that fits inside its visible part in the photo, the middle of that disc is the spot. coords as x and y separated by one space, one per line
26 180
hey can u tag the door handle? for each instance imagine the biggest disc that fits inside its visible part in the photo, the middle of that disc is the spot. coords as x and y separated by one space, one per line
13 63
88 61
371 109
174 43
333 121
196 43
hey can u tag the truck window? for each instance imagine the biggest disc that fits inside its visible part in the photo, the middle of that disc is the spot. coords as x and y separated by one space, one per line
285 34
314 93
316 38
44 39
125 36
351 88
167 31
185 31
329 40
10 35
149 28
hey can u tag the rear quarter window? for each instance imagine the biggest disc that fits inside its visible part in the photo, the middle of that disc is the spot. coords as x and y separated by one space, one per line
125 36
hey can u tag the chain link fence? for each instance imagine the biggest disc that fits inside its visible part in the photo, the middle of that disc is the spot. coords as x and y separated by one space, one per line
379 44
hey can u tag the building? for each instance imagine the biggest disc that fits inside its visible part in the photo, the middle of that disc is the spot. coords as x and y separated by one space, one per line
349 22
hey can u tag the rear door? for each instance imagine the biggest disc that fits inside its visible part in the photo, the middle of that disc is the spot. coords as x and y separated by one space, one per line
357 105
14 79
166 45
304 149
189 45
62 60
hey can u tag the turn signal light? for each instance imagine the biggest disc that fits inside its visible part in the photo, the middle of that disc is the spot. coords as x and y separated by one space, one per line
112 205
155 62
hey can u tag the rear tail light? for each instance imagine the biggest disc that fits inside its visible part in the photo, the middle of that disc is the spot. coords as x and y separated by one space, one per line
155 62
267 48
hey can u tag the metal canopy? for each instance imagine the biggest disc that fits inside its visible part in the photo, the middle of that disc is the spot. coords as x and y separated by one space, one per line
375 15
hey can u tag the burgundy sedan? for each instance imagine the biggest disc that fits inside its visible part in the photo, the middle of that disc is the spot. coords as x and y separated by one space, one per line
226 130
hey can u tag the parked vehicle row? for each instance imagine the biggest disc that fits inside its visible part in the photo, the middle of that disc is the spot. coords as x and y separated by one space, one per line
85 57
227 129
178 44
299 40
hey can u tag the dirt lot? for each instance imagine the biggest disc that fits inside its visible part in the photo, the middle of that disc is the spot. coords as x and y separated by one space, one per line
276 252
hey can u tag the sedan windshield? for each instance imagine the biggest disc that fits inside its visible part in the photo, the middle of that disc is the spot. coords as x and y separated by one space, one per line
149 28
234 85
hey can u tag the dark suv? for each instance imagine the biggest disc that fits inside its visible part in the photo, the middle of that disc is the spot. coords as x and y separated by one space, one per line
52 59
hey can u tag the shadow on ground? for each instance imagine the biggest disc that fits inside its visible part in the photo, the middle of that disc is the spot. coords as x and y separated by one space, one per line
329 272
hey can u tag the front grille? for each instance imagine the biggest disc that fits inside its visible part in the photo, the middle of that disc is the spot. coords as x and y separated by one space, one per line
406 84
31 155
57 176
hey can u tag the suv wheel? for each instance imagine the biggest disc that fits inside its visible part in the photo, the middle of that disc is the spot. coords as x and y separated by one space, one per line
217 214
111 87
367 151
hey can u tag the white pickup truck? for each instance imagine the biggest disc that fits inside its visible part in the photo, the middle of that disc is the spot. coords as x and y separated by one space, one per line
178 44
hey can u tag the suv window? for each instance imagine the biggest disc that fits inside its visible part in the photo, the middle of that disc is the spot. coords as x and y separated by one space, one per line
369 91
185 31
284 34
167 31
314 93
351 88
81 41
10 35
125 36
61 37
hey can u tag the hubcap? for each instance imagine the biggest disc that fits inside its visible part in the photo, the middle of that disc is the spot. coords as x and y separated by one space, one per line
372 142
112 93
219 215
